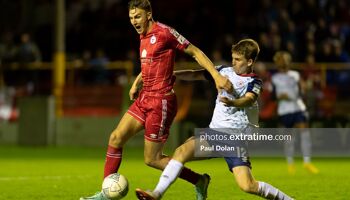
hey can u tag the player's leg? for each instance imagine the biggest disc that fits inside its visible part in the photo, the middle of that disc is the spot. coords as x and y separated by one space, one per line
175 168
172 170
245 180
287 121
183 154
289 152
161 113
305 143
247 183
127 128
130 124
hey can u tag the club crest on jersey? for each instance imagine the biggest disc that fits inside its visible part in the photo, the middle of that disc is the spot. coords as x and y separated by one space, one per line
144 53
153 39
239 84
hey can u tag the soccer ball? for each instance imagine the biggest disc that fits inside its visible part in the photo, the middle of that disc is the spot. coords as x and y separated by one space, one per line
115 186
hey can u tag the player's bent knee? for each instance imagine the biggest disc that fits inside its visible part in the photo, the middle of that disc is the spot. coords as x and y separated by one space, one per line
152 162
115 139
179 154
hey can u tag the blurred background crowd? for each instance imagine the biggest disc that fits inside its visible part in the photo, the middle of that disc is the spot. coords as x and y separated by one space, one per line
310 29
99 32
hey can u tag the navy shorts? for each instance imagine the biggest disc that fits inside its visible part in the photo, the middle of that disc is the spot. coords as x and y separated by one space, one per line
289 120
237 161
239 158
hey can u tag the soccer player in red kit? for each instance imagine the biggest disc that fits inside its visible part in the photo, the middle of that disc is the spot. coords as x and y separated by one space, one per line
155 105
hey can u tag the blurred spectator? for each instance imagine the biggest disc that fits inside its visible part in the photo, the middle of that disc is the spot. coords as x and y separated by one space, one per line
340 54
266 103
277 24
7 47
27 50
97 71
326 53
7 110
312 30
311 77
133 57
266 51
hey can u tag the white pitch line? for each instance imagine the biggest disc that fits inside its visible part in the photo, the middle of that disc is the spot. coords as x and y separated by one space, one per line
21 178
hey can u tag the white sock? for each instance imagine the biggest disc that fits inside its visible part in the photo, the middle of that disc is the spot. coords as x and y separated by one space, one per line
169 175
305 140
269 192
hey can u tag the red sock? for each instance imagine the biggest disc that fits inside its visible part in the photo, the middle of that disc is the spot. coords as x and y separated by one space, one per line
113 160
189 175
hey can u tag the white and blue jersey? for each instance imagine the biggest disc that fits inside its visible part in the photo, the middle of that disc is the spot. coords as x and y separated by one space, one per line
233 117
288 83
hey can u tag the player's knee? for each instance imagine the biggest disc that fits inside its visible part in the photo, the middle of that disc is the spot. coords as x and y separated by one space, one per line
115 139
151 162
179 150
179 154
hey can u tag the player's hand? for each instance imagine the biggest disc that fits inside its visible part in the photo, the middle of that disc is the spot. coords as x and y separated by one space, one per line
133 93
223 83
227 101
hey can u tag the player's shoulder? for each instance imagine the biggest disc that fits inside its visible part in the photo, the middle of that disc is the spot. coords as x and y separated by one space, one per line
165 29
293 73
224 68
253 78
162 26
250 76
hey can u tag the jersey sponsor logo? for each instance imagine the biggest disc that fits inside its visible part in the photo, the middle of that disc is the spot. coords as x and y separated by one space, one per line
153 136
144 53
174 32
181 39
153 39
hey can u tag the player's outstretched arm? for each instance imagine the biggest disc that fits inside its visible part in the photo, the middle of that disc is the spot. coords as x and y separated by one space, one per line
221 82
135 87
190 75
246 101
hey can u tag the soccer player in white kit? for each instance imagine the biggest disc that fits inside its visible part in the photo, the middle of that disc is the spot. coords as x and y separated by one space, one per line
291 109
236 110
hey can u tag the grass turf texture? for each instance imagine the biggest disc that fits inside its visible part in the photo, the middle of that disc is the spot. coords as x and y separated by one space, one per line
67 173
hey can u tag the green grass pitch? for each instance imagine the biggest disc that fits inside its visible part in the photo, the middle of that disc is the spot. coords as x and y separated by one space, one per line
67 173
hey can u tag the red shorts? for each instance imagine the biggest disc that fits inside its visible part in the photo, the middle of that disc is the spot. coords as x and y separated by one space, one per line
156 113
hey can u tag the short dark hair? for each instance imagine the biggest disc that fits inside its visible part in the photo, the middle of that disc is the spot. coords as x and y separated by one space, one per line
249 48
142 4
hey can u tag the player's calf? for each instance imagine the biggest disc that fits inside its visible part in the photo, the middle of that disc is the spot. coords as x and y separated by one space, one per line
249 186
